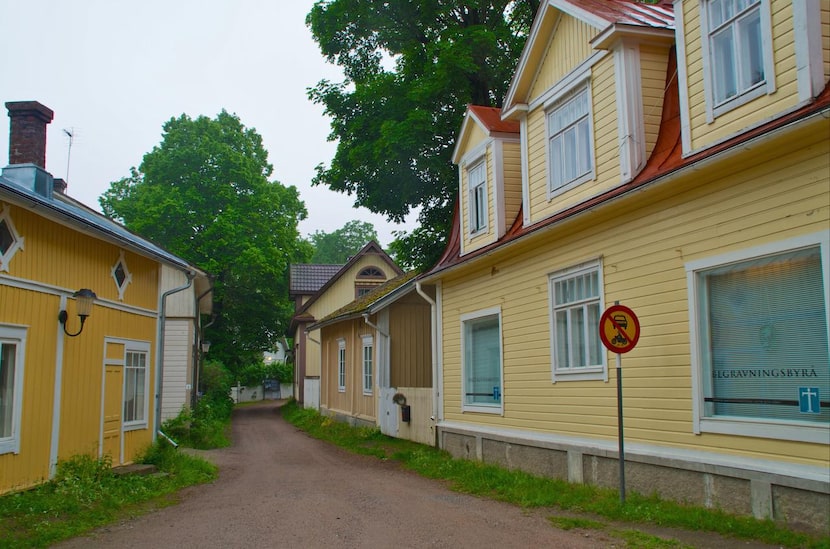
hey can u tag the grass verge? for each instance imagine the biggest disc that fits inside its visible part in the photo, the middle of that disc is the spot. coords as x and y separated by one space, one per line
86 493
528 490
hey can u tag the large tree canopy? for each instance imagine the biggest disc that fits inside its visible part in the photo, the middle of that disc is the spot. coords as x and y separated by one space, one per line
204 194
395 127
338 246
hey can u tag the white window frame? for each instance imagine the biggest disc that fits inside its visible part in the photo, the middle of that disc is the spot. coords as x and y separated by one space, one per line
17 240
560 100
760 427
765 87
368 364
478 210
480 407
15 335
138 348
341 365
583 373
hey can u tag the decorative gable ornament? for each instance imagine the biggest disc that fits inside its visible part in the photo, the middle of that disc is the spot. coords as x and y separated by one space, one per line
10 239
121 275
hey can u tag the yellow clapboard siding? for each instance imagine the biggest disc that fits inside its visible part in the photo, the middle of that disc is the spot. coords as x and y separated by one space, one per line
778 191
570 46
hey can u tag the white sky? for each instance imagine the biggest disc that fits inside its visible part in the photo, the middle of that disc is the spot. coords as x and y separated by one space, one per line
114 71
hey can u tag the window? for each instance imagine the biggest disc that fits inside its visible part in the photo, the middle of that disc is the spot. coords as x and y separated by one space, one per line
368 354
739 61
371 272
760 351
121 275
341 365
135 387
477 181
570 151
12 345
360 291
10 241
576 306
481 349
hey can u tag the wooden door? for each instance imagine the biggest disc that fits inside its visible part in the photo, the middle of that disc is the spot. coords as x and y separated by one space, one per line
111 428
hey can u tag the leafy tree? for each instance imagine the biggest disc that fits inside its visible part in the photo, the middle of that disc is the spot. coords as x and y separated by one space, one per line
338 246
203 193
396 127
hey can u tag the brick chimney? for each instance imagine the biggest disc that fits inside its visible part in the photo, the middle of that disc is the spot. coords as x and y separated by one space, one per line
27 138
27 147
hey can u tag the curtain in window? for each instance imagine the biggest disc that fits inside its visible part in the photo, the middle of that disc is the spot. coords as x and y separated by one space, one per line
767 338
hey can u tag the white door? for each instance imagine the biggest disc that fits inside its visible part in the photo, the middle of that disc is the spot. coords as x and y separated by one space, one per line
388 412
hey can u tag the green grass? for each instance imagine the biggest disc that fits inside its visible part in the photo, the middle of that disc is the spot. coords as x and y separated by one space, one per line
526 490
86 493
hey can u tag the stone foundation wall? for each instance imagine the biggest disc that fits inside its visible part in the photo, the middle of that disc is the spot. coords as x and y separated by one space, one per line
800 503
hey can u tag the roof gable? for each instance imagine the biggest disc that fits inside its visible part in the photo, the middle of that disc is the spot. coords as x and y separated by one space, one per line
486 119
602 15
371 248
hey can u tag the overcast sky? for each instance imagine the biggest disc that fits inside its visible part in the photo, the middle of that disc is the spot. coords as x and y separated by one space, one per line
115 71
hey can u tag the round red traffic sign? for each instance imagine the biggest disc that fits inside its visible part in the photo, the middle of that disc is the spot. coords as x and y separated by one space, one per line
619 329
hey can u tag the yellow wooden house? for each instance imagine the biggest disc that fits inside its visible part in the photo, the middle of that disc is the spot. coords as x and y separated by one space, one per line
376 363
319 290
79 320
675 158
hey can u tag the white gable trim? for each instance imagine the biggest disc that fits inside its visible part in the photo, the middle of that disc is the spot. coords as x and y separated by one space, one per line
579 13
808 54
683 79
525 173
569 81
630 124
497 188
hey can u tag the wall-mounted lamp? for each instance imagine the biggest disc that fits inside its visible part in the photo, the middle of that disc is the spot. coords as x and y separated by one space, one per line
205 346
85 297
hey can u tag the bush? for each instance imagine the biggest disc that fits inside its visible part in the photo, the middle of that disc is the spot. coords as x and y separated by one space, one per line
205 425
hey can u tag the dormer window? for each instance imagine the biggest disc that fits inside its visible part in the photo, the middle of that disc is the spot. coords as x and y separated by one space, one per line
10 240
739 63
477 181
570 141
121 274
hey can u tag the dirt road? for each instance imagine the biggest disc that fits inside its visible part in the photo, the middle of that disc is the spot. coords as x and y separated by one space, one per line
279 488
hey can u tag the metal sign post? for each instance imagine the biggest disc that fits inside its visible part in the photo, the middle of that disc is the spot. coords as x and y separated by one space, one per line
619 330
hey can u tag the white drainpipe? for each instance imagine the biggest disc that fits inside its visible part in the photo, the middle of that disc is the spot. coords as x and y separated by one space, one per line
433 333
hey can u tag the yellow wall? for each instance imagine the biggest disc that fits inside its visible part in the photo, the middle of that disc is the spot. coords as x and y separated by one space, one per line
352 401
489 235
54 262
512 181
779 190
653 64
570 47
341 293
606 148
704 134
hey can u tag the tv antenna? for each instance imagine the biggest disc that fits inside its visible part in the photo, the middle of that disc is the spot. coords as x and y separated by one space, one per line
70 133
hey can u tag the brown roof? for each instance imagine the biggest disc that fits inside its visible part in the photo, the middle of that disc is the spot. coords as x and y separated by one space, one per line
363 303
306 279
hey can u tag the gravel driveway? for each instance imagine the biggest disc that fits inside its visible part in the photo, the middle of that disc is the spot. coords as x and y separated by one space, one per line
277 487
